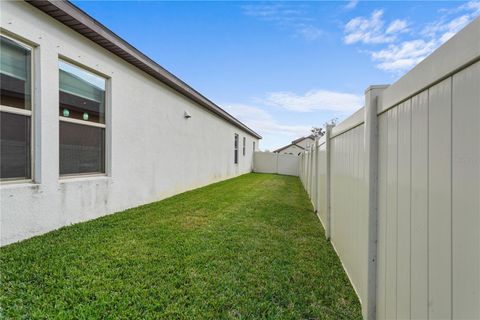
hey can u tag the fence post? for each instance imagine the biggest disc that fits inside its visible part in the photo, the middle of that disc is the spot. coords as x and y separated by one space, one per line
312 171
303 170
372 95
276 162
306 170
315 196
328 134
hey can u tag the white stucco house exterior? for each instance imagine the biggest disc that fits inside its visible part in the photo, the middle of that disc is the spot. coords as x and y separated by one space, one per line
87 119
297 146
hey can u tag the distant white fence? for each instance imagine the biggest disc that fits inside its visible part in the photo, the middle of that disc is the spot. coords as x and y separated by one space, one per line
397 188
269 162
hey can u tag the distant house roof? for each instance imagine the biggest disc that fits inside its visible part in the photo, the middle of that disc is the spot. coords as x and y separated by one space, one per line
303 138
78 20
291 144
294 143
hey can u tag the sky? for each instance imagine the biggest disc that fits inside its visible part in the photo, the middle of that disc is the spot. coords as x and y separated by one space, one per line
284 67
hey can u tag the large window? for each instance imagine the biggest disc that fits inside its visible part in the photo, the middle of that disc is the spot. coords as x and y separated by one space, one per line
82 121
15 110
235 152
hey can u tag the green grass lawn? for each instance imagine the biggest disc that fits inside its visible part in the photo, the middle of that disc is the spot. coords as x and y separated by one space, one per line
246 248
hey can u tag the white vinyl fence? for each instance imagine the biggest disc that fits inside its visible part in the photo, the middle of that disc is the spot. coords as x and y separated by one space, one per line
269 162
397 188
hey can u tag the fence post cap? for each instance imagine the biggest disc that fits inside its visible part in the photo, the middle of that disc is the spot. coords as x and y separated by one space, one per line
377 87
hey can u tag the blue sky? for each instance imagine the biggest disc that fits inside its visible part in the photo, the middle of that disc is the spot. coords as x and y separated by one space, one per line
283 67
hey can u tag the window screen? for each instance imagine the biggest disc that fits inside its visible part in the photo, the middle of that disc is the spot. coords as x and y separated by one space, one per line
15 141
82 149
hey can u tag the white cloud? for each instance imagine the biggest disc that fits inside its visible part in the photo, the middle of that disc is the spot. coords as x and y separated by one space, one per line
472 6
292 17
397 26
309 32
277 133
247 112
367 30
315 100
262 122
451 26
404 55
352 4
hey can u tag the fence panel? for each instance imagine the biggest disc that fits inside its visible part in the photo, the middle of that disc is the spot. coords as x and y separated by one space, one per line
382 207
466 193
349 214
419 207
439 199
269 162
322 183
265 162
287 164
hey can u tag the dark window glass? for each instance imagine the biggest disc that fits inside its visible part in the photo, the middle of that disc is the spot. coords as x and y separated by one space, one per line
82 149
15 75
82 94
15 146
253 145
244 142
236 149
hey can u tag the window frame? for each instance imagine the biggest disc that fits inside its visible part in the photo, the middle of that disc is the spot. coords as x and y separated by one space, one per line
105 126
24 112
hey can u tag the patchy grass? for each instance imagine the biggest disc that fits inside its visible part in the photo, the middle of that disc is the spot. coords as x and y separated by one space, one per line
245 248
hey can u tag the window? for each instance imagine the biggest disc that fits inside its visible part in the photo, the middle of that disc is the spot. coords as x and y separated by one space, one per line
82 121
253 146
15 110
235 152
244 143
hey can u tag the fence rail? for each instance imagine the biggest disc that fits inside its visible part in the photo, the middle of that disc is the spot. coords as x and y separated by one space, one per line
397 188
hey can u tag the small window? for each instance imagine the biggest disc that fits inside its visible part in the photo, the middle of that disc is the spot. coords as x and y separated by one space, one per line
15 110
244 145
82 121
253 146
235 152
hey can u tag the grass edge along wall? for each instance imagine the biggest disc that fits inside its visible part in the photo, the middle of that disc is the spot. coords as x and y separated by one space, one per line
151 149
400 184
